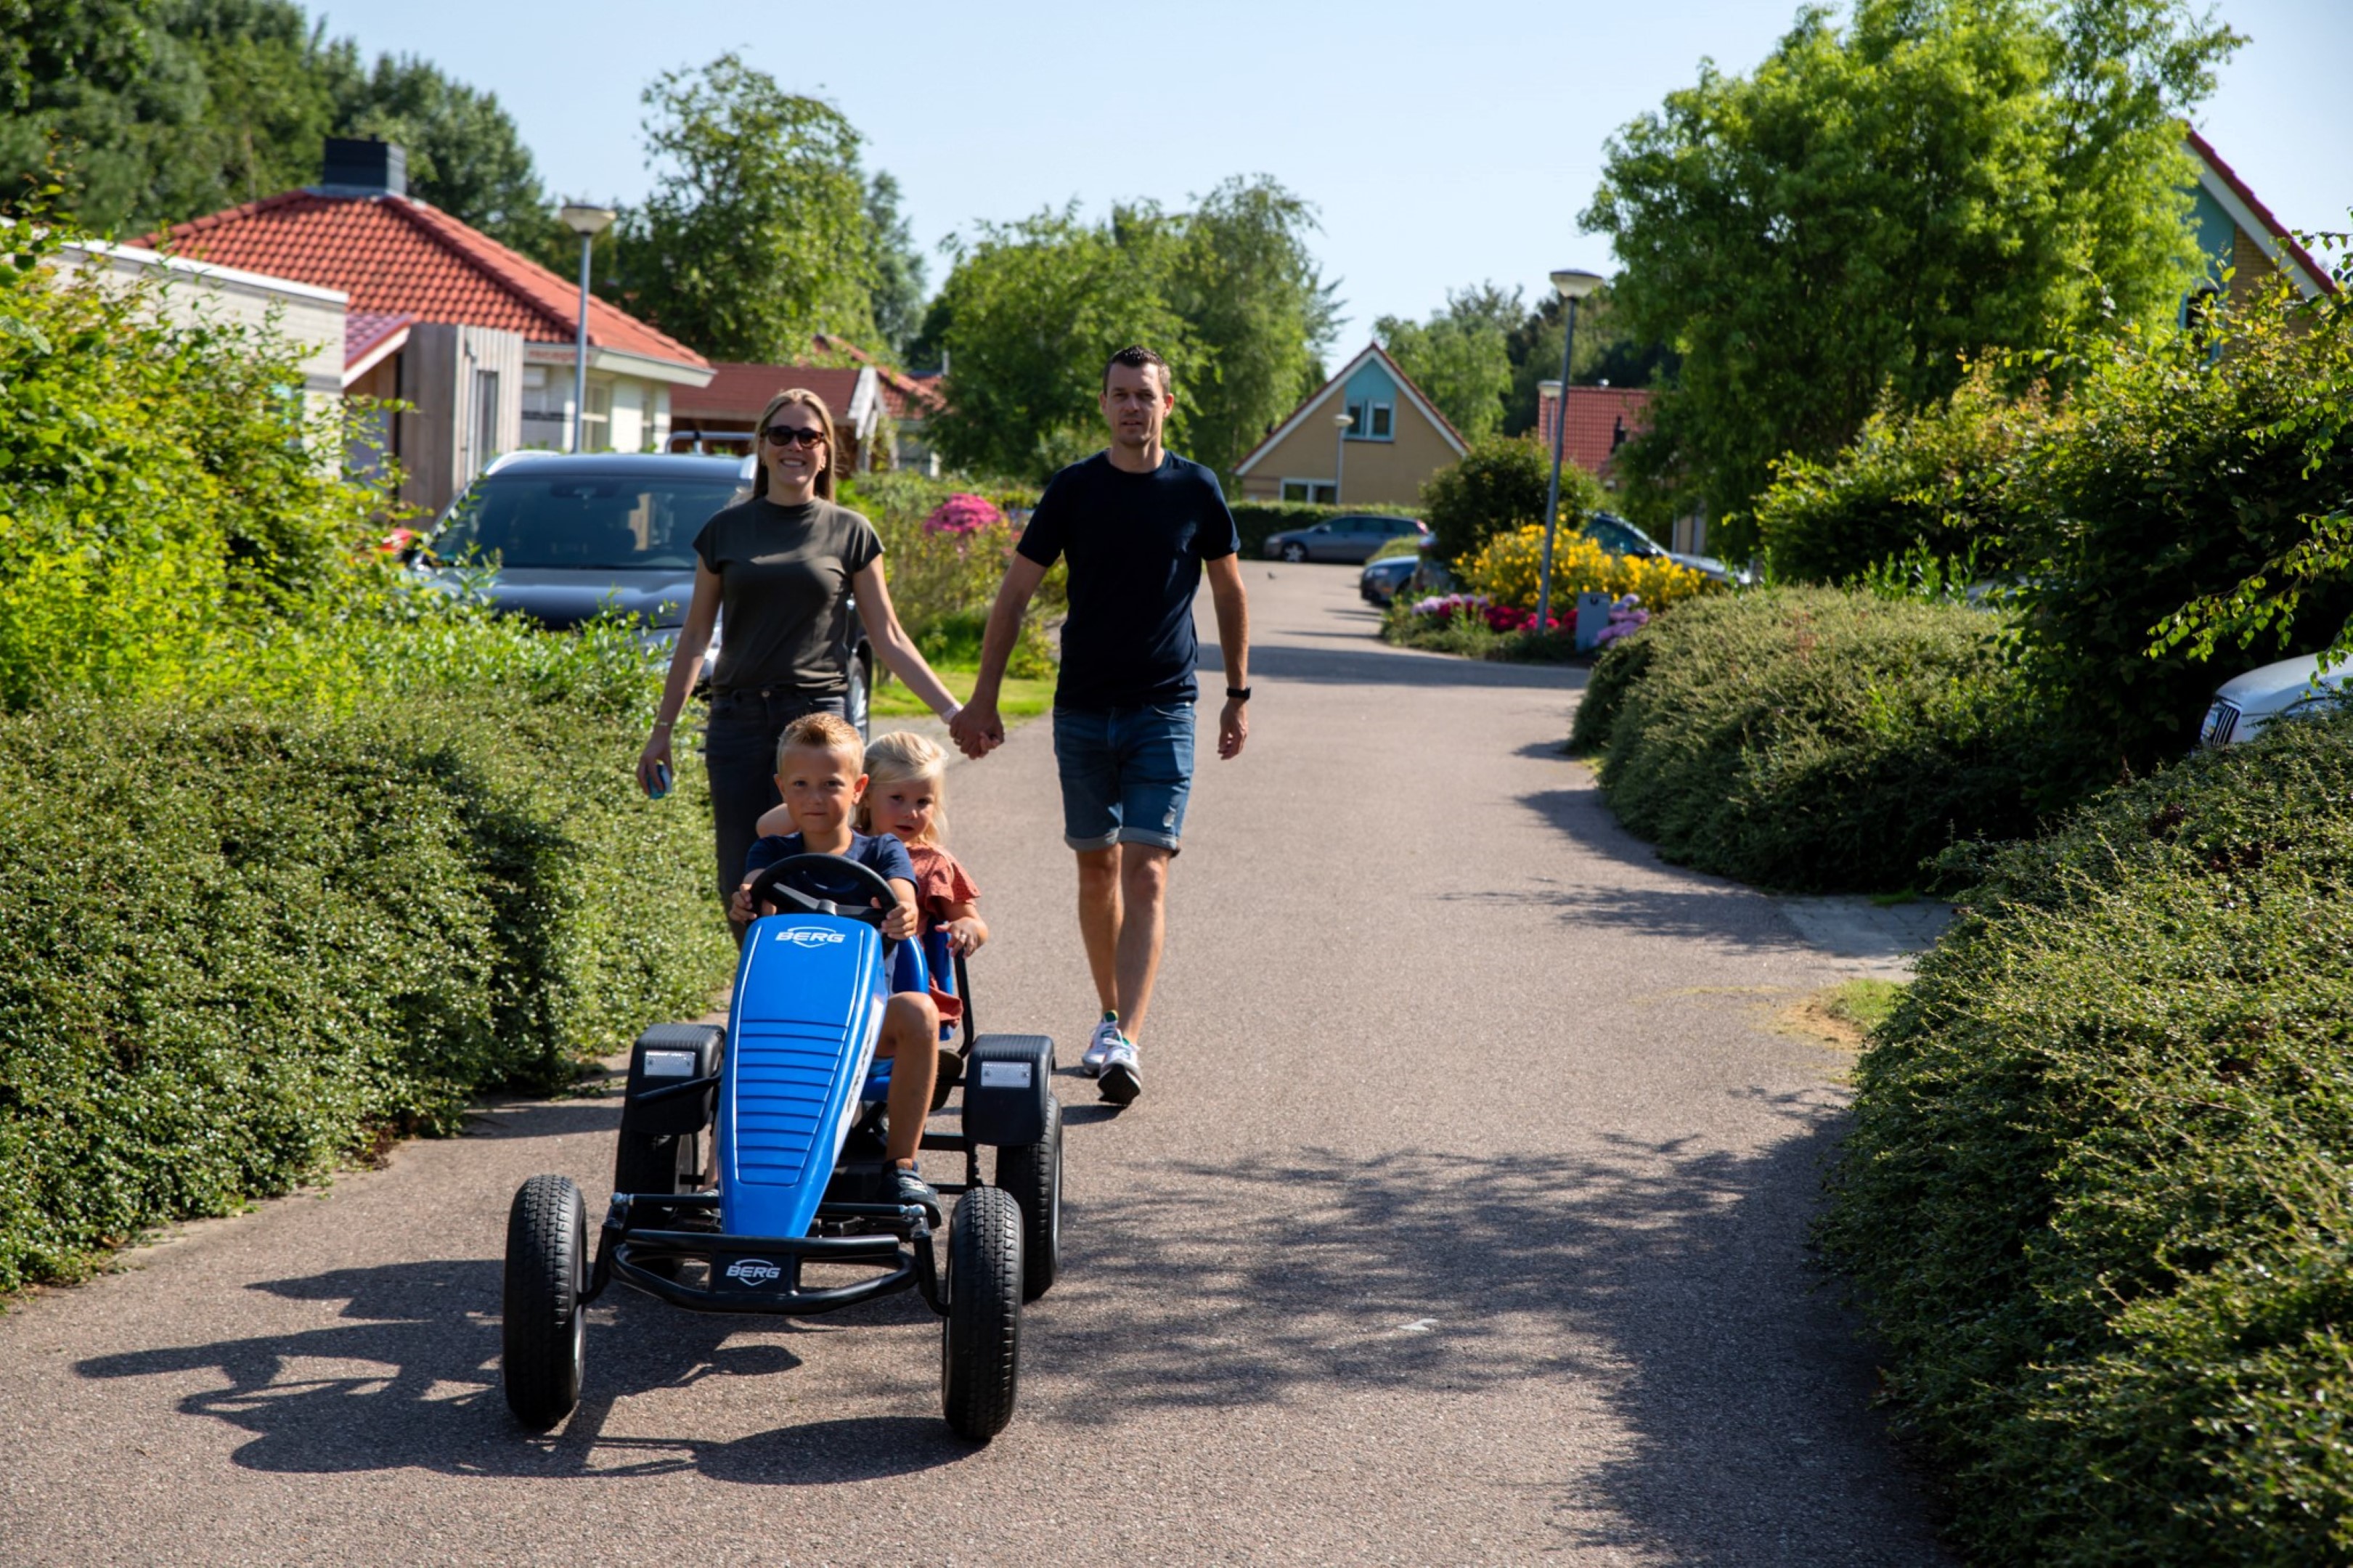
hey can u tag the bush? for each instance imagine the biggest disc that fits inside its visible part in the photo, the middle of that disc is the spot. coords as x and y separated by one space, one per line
251 942
1510 566
1811 738
2094 1202
1500 485
1941 480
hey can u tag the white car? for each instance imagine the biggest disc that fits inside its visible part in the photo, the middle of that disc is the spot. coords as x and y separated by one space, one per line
2295 688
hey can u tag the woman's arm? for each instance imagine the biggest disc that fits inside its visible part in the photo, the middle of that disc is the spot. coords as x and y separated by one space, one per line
685 660
898 650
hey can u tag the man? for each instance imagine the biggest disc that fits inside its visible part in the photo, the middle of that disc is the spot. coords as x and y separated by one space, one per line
1140 526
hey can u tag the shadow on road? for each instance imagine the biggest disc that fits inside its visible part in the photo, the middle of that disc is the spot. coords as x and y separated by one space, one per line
1363 663
1669 1281
411 1381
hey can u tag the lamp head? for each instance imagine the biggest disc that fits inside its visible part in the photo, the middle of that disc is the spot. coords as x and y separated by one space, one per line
1344 420
1576 283
585 221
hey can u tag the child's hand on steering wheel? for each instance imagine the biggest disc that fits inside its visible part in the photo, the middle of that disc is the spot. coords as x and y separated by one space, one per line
899 924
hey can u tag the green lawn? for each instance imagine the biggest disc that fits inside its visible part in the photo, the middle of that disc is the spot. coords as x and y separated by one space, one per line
1016 700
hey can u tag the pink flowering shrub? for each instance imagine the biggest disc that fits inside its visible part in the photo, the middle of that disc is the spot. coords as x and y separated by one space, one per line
963 514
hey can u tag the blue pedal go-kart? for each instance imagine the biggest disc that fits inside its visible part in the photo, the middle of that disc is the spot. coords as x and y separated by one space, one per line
794 1096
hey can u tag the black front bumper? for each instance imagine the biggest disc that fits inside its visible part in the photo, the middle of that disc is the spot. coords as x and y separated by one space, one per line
899 1247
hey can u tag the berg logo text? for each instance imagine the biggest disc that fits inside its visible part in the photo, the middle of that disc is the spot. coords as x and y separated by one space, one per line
809 936
754 1271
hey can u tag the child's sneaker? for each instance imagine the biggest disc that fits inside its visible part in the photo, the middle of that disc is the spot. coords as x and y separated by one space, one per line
911 1191
1120 1079
1098 1049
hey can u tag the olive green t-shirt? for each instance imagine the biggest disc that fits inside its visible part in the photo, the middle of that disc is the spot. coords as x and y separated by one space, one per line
784 593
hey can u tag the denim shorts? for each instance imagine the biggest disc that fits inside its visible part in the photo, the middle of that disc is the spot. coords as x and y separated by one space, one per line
1126 773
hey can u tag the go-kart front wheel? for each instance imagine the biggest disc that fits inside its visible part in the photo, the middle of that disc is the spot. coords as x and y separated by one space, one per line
545 1328
1032 1172
980 1342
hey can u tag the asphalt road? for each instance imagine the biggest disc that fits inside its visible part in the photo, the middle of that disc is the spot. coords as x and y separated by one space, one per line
1462 1221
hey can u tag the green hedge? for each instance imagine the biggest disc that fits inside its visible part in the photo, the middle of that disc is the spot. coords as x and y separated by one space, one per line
1808 739
1254 519
2098 1197
246 945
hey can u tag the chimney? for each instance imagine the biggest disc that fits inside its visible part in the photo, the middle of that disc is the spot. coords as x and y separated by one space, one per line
357 168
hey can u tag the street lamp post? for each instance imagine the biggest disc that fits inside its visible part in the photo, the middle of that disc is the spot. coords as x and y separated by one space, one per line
1573 285
1340 421
588 222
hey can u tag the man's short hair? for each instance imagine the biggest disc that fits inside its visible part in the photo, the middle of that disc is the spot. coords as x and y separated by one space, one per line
823 733
1135 356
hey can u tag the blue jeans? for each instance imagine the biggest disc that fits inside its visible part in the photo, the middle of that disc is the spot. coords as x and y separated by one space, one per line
1126 773
739 752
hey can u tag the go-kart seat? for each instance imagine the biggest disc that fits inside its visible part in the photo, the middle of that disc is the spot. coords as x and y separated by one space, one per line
913 968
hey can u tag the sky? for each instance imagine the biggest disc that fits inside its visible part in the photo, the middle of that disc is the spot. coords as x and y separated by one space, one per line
1444 144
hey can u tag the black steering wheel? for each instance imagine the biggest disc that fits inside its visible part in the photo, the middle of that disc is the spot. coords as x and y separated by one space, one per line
769 887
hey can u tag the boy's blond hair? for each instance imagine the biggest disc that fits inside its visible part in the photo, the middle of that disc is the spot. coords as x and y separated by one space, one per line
899 757
823 733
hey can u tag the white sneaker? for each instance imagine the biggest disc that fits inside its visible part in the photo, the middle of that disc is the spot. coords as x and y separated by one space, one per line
1120 1079
1098 1049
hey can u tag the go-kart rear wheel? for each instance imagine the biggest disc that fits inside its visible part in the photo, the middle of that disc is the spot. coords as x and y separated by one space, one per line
658 1162
545 1327
1033 1175
980 1342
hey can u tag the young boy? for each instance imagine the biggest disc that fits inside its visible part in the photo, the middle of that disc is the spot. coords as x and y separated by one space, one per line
820 764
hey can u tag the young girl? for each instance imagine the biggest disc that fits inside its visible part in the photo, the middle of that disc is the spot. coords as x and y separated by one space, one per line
906 796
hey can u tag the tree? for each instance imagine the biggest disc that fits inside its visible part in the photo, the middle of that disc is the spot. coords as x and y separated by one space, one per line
465 155
1937 180
895 266
1462 357
164 110
1239 273
1029 316
756 234
1499 487
1607 354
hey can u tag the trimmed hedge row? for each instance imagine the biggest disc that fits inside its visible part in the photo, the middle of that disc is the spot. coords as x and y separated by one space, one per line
2097 1201
246 944
1808 739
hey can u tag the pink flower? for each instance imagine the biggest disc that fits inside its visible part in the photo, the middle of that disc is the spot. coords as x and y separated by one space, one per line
962 514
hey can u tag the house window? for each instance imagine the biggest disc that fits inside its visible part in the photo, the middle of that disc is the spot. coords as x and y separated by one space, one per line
598 418
1377 428
482 442
1371 422
1322 492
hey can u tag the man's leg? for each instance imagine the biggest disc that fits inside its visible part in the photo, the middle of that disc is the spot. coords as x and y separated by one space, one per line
1098 921
1142 919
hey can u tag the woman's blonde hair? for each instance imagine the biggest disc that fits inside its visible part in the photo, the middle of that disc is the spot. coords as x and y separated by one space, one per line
792 397
901 757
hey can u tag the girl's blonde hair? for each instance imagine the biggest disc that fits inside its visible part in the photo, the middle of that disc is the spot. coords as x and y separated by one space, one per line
794 396
901 757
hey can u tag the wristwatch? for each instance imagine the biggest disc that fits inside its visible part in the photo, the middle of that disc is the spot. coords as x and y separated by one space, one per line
1237 693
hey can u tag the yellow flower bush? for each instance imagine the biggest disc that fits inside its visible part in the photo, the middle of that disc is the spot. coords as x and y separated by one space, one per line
1507 569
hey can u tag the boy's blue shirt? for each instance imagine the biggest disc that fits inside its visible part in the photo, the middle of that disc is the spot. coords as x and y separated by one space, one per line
881 852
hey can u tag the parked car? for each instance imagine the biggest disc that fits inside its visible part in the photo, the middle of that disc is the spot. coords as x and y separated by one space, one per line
1619 537
2291 689
1350 538
564 538
1382 579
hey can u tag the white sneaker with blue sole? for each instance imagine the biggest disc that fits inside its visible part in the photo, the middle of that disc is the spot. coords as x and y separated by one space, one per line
1120 1079
1107 1034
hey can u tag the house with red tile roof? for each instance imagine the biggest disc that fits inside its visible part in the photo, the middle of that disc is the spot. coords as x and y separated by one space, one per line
1602 419
909 402
1394 439
482 338
720 417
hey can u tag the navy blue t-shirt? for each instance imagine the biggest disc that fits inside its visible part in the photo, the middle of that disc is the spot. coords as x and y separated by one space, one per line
1135 544
881 851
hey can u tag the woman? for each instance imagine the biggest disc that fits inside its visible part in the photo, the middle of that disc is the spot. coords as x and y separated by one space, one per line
783 565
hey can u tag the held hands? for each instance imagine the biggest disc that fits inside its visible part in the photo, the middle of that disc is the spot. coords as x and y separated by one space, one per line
976 730
1233 730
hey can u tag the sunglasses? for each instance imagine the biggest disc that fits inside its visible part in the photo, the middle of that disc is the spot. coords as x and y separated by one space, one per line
796 434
